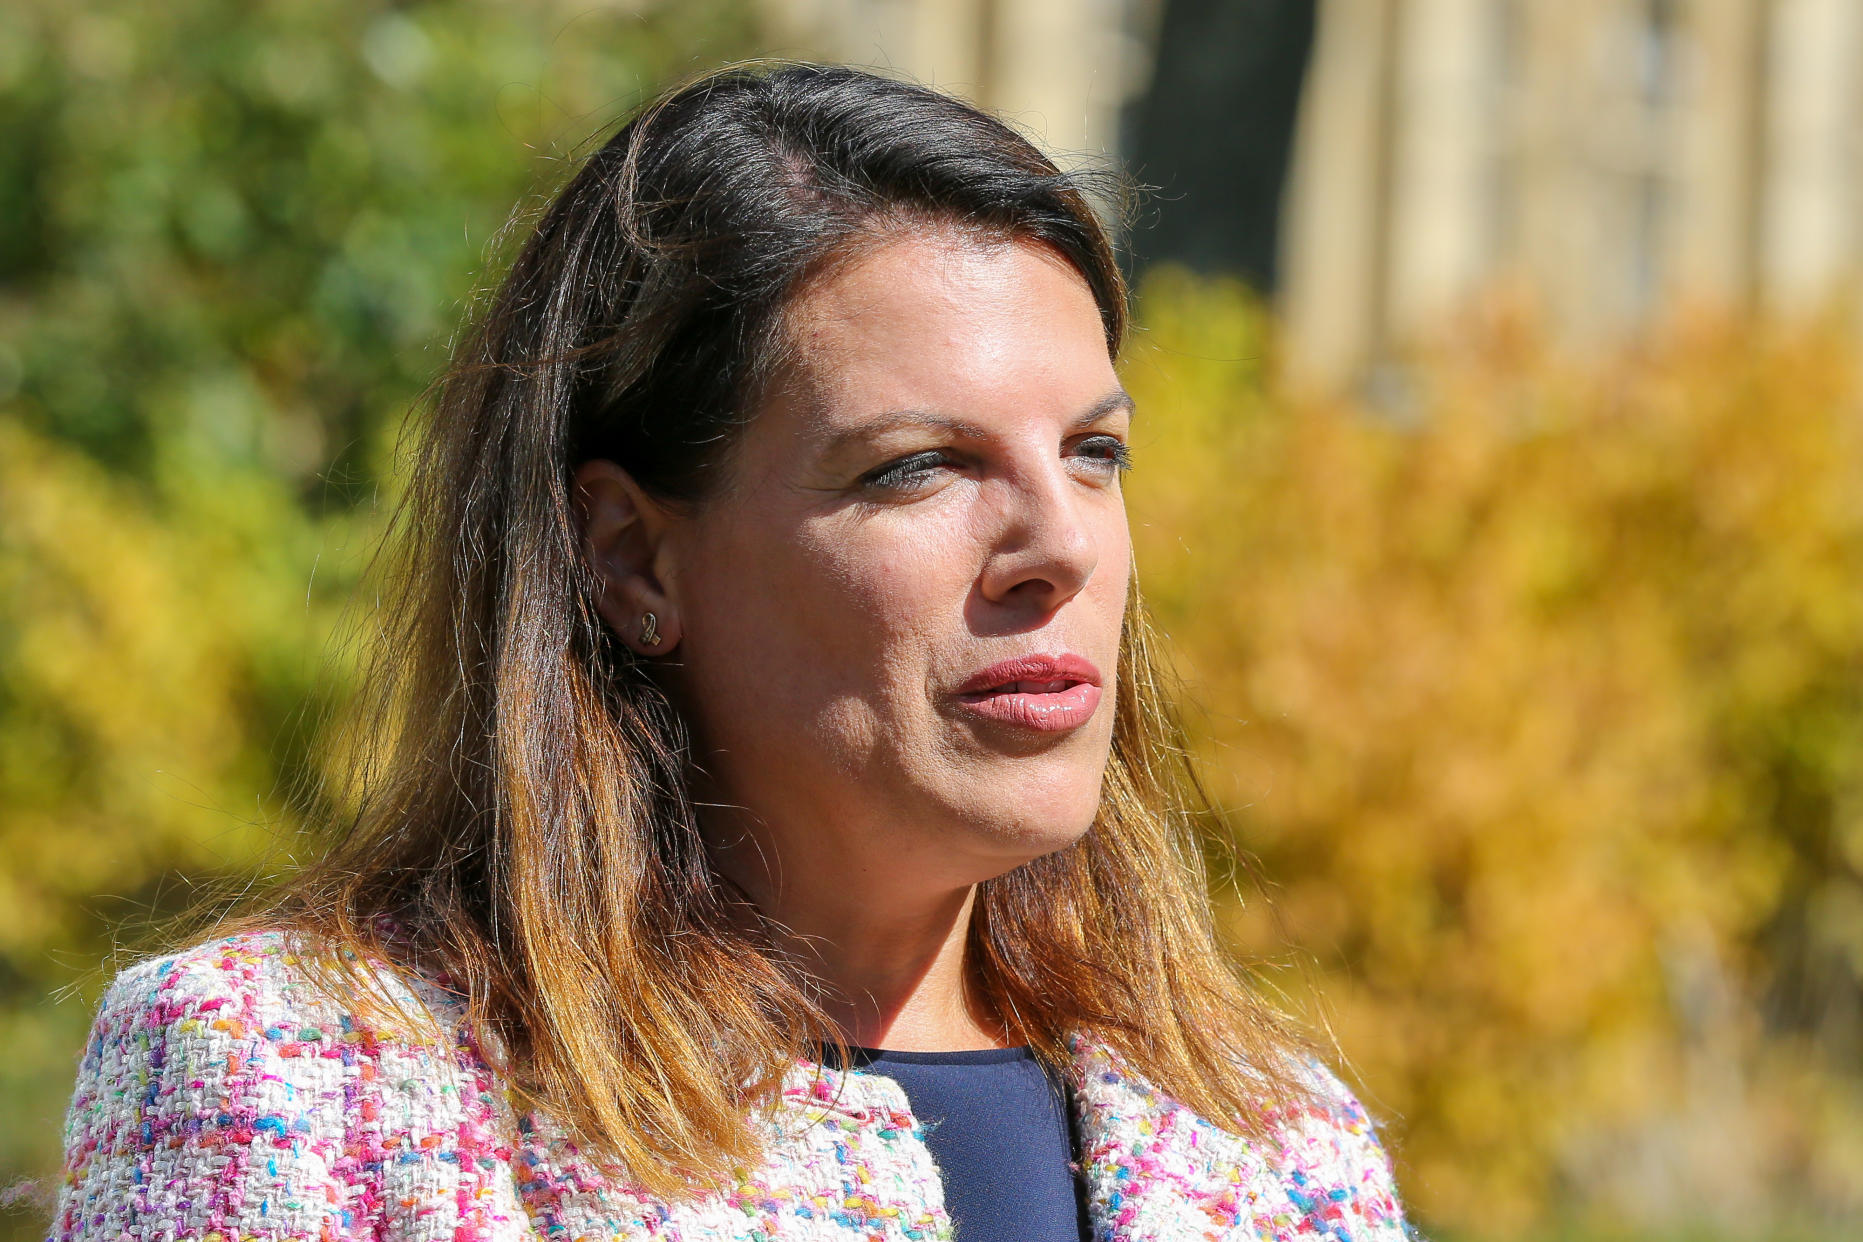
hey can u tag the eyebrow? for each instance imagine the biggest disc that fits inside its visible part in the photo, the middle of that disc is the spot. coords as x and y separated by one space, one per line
1117 399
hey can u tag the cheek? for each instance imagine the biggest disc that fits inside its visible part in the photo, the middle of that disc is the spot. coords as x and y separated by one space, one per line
1115 541
826 605
1112 570
893 585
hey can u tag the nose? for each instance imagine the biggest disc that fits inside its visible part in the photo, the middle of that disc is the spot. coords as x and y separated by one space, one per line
1044 551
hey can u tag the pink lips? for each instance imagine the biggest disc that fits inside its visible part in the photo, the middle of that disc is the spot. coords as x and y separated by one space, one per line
1050 693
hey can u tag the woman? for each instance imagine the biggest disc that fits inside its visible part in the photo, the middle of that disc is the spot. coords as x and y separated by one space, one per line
777 828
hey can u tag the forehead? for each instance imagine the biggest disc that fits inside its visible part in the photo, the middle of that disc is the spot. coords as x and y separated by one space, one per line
942 320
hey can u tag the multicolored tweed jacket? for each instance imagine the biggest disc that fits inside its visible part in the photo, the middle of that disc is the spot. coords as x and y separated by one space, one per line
224 1099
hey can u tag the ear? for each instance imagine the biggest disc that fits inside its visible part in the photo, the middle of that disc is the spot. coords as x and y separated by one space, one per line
624 542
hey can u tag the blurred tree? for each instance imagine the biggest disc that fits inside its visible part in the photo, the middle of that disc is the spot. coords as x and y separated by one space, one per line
234 238
1541 701
257 222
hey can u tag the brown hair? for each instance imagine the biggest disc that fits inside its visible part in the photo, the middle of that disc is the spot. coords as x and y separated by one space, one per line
522 813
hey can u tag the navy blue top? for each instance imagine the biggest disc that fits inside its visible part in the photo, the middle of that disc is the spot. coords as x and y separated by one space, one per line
996 1121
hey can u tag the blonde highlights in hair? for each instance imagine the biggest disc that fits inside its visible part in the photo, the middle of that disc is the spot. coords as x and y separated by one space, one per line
521 820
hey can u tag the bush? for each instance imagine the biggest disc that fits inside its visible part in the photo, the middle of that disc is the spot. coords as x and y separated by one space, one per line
1537 690
236 239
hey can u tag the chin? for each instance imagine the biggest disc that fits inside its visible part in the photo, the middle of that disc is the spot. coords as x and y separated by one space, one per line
1036 818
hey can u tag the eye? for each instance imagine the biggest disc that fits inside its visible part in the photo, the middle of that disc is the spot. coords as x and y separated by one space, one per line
905 474
1107 452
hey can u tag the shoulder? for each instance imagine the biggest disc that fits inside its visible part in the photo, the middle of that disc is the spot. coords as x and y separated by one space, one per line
268 995
242 1085
233 981
1332 1159
232 1018
1316 1168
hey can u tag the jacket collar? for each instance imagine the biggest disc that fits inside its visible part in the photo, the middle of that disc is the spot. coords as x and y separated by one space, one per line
1153 1169
847 1160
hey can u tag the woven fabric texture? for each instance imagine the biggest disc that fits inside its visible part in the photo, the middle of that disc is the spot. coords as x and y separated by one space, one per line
223 1097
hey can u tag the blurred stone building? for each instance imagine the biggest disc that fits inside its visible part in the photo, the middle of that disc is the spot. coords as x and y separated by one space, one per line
1062 69
1609 157
1606 158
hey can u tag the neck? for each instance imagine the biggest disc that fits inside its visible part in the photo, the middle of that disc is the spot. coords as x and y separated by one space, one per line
893 959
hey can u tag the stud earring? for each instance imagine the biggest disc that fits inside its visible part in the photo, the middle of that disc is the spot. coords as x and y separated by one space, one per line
649 630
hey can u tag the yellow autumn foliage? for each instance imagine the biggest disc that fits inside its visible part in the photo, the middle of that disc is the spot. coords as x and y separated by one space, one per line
1536 688
159 662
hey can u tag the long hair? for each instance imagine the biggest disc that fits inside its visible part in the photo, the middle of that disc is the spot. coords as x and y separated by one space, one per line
523 821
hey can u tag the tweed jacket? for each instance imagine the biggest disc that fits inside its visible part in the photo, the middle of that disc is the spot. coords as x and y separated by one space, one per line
223 1098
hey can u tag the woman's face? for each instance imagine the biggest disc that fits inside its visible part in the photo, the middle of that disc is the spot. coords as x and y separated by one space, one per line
898 624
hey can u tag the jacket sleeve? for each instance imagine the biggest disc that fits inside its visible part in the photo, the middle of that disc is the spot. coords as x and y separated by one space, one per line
189 1125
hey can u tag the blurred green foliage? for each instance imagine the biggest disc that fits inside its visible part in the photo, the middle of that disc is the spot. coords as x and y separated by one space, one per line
1537 690
234 240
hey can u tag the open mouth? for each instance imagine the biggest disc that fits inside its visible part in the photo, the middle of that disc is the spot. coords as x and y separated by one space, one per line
1028 687
1043 693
